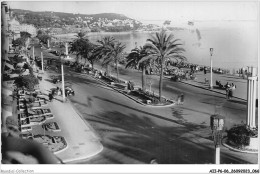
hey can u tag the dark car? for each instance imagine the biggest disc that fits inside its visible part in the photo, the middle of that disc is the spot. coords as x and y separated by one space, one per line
69 91
56 79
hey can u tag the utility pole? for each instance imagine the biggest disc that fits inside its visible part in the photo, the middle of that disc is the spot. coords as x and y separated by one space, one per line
211 53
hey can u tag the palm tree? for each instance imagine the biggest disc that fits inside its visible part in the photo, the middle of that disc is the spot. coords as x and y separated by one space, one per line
161 47
101 50
110 51
133 61
79 45
89 54
114 54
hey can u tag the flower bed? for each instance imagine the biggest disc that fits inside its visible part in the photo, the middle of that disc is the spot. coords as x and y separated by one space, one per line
46 111
37 120
38 111
25 123
26 129
35 105
49 116
242 137
109 79
52 126
54 144
22 116
106 79
22 106
148 98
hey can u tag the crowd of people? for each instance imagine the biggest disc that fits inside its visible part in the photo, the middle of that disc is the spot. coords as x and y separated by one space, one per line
229 87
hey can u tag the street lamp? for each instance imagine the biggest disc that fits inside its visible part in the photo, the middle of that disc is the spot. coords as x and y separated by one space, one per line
217 126
62 77
42 62
211 53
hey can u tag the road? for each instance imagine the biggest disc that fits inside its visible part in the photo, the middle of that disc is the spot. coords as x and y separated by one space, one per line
133 134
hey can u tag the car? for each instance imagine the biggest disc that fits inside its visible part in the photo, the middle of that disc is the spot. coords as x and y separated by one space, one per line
69 91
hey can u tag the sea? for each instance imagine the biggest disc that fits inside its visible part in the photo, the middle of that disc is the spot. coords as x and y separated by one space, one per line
234 43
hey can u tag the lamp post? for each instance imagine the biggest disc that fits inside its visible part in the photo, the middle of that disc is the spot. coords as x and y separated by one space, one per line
62 77
42 62
211 53
217 126
33 52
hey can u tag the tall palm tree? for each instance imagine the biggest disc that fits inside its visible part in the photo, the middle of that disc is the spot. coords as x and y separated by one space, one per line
88 53
110 51
79 45
114 54
103 48
133 61
161 47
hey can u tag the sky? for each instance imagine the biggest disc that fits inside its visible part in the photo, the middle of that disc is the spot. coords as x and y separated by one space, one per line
151 10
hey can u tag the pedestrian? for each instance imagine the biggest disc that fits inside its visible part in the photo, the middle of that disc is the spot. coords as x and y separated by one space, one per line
179 99
50 97
205 70
66 93
182 98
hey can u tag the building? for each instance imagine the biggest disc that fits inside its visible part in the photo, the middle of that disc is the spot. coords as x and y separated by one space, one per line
14 28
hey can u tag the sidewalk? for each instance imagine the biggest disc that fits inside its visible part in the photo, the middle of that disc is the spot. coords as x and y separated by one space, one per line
82 142
241 84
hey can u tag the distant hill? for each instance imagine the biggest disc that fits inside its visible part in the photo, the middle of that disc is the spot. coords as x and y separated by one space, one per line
47 19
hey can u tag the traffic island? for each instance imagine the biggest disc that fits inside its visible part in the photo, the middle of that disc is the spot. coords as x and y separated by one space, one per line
134 93
147 98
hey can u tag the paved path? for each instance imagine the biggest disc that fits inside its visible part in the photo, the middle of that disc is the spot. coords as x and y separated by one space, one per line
241 84
82 140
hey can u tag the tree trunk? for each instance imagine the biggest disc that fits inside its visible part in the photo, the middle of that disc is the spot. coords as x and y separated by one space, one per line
92 64
117 73
161 82
143 79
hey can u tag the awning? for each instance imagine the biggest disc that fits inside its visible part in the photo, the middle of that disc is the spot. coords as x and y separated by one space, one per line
9 65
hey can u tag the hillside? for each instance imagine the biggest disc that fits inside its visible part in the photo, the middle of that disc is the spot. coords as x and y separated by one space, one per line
48 19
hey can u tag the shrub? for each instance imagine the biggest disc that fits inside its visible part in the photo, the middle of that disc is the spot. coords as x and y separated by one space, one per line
240 134
28 81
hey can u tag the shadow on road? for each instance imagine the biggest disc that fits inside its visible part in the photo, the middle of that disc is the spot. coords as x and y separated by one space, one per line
140 139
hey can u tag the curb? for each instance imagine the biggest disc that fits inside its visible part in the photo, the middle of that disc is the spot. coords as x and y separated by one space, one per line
90 127
237 150
207 89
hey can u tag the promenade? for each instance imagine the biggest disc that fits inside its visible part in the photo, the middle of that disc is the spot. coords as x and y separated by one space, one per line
82 142
241 84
